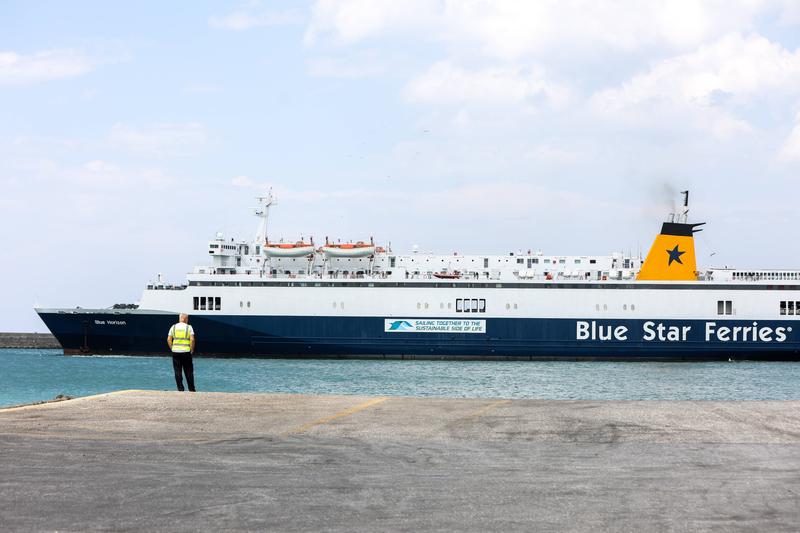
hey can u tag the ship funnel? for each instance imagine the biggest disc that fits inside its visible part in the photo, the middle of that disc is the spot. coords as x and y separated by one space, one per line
672 255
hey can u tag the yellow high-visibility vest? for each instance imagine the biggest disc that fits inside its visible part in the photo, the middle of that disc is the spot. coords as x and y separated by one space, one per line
181 337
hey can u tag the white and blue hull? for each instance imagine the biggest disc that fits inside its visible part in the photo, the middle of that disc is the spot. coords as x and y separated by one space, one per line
678 321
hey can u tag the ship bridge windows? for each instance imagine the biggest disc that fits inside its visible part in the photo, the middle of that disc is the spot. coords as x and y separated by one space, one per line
724 307
207 303
790 308
470 305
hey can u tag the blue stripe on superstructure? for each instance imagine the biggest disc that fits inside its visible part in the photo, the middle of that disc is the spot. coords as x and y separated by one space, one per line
244 335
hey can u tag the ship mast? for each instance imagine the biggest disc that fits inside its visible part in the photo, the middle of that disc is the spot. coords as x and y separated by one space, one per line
262 211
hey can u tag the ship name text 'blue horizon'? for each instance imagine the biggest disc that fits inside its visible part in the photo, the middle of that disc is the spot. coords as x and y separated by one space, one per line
659 332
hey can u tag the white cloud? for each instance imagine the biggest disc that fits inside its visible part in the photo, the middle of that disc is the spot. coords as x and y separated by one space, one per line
513 29
790 151
350 21
253 17
703 86
17 69
161 138
245 182
446 84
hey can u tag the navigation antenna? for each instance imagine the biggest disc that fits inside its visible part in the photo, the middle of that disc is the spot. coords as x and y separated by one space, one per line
684 216
262 211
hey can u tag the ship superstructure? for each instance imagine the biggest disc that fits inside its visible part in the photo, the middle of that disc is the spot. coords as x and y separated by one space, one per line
265 297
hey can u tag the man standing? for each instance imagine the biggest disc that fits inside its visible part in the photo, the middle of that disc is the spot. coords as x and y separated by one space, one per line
181 341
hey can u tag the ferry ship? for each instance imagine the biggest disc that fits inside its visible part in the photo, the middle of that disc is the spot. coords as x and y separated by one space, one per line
267 298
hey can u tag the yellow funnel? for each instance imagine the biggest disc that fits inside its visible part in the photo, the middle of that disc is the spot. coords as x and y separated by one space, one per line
672 255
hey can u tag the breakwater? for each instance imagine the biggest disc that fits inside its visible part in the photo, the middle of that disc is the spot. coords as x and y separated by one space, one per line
28 340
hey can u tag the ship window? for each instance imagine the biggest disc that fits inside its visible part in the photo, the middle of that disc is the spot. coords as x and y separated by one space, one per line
485 262
728 307
535 261
217 303
577 261
562 261
202 303
248 304
241 304
449 305
196 303
724 307
790 307
474 305
624 307
520 260
633 307
592 261
426 305
482 305
508 306
459 305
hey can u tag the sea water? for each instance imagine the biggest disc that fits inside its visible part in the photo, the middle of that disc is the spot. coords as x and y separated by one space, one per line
35 375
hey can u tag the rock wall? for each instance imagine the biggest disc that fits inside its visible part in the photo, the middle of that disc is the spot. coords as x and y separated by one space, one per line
28 340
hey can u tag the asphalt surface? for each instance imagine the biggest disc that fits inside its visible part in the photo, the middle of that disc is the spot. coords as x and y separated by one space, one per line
138 460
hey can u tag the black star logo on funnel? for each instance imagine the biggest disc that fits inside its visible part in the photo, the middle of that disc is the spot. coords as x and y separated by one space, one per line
675 255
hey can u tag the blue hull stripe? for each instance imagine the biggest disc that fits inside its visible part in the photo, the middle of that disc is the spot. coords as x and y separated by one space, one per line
289 336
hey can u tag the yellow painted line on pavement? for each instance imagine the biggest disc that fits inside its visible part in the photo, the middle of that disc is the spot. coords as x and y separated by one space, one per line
340 414
486 408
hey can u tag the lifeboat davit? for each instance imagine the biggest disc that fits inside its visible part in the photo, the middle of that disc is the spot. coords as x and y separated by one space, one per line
349 249
297 249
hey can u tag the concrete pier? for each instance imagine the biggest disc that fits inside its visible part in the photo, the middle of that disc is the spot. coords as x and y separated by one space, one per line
151 460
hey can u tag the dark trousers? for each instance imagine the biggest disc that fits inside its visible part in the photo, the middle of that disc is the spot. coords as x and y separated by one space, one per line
183 361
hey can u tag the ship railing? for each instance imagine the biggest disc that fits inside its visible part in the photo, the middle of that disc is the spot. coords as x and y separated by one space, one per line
163 287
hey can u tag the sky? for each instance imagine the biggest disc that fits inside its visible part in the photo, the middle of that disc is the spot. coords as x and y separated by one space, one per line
130 133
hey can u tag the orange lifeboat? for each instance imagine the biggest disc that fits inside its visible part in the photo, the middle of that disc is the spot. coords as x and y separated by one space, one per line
349 249
288 249
447 275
